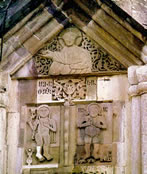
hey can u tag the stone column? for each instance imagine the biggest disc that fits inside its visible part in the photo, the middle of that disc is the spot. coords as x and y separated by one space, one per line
137 76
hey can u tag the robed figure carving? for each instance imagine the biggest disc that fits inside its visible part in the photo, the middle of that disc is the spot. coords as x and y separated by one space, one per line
42 126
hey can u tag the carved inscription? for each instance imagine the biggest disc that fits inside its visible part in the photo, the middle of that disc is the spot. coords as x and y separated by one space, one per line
69 89
44 90
43 131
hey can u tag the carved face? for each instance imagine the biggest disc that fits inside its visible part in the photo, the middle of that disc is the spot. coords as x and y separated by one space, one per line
71 36
43 111
69 88
94 110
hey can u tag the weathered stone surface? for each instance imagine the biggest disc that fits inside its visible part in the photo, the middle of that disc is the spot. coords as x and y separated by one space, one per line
3 123
91 88
144 54
13 136
132 77
136 139
141 73
112 88
137 9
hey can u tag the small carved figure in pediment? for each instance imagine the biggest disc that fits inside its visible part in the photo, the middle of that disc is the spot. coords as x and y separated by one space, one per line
42 126
91 124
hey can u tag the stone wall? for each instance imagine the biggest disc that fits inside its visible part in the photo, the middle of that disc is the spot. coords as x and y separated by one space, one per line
135 8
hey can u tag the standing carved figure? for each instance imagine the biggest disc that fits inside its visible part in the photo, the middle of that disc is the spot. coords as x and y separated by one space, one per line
41 127
92 124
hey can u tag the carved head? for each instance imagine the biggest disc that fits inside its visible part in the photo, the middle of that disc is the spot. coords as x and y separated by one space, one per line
43 111
70 36
33 112
94 110
69 87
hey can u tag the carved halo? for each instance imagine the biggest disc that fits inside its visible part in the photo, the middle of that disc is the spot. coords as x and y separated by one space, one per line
43 111
94 110
70 36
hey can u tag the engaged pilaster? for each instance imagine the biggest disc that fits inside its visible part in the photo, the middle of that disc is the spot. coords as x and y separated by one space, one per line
137 76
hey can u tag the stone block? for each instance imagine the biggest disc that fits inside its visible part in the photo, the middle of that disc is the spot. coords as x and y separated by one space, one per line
132 78
112 88
119 170
13 129
141 73
118 122
44 31
13 91
32 44
91 88
121 154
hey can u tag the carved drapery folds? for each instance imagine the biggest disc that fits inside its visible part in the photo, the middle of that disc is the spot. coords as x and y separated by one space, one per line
72 52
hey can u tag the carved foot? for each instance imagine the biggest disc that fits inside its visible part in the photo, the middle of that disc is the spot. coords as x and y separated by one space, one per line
48 157
90 160
81 161
40 157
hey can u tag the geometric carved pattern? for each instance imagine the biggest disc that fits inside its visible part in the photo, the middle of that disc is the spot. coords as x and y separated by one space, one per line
101 61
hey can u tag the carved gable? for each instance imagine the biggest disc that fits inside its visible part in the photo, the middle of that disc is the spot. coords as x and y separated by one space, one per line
72 52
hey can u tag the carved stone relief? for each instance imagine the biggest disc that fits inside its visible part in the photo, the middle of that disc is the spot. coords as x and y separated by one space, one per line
92 121
69 89
72 52
42 129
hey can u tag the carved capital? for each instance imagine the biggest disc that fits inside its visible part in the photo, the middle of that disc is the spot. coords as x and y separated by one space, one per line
137 76
141 73
132 78
133 90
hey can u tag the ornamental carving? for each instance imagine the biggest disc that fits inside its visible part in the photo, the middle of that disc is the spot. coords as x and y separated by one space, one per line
69 89
43 129
72 52
91 123
101 60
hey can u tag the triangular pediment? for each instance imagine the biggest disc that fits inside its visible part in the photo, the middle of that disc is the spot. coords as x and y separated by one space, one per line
107 43
70 52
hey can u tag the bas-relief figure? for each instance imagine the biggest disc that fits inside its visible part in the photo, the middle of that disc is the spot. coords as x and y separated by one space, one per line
72 59
91 123
42 126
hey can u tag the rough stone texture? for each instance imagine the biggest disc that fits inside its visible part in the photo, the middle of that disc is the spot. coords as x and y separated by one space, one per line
135 8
